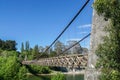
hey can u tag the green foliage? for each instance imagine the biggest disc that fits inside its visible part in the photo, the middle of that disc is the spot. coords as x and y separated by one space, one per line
110 75
59 46
44 55
31 54
26 52
35 52
27 46
58 77
109 51
22 47
10 66
40 69
115 75
108 8
8 45
53 54
22 73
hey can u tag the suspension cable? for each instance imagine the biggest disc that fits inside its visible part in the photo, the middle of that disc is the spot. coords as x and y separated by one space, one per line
76 43
68 24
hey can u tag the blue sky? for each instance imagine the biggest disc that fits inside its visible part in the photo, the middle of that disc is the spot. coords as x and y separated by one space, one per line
40 21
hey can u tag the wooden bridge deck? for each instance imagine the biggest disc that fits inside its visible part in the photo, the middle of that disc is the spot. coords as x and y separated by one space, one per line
69 61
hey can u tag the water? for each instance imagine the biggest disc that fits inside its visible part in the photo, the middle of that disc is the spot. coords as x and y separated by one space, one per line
74 77
39 78
68 77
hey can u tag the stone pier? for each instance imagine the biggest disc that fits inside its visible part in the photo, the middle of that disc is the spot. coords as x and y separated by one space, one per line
97 33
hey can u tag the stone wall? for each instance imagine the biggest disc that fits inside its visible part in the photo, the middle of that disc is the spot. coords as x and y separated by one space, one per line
97 33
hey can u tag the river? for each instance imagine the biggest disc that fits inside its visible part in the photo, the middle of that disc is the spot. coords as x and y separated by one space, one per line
68 77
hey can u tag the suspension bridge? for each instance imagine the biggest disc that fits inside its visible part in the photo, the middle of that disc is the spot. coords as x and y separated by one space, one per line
69 61
88 61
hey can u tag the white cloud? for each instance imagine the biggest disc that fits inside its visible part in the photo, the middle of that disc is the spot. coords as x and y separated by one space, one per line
85 26
74 39
82 32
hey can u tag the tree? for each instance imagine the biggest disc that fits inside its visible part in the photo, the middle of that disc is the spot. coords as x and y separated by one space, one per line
30 55
22 73
45 49
77 49
10 67
1 43
35 52
109 51
59 47
27 46
22 47
53 54
22 54
41 49
8 45
37 69
26 51
84 50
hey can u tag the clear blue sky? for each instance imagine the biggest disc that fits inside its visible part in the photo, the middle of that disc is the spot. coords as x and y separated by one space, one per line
40 21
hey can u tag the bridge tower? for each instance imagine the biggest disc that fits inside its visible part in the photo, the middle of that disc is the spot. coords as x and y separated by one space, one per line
98 24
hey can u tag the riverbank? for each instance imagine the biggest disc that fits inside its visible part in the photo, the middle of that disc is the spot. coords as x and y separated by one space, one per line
48 77
75 72
55 72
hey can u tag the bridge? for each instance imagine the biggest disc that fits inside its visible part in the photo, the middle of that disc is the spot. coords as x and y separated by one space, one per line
78 61
68 61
